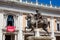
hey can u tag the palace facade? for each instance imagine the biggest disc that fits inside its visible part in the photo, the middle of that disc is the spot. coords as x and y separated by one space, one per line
18 10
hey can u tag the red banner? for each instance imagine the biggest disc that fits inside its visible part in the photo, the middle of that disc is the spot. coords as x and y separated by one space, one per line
10 28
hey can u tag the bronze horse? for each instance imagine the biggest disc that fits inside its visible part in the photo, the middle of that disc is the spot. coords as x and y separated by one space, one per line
41 22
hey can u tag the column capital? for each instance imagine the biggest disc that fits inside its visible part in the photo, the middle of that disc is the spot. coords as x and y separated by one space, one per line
51 17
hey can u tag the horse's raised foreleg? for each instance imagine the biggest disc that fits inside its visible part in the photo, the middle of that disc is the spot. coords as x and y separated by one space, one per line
46 30
32 29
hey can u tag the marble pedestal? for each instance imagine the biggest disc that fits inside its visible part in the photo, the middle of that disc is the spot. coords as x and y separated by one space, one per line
39 38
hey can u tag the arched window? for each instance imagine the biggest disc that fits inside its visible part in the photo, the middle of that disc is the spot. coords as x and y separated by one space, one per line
10 20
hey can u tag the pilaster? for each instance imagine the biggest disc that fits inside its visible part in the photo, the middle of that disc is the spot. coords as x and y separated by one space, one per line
52 28
20 25
1 24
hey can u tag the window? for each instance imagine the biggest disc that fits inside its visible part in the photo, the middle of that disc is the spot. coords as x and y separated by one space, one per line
10 20
58 26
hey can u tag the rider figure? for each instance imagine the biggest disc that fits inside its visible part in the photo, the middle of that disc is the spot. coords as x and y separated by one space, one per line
29 20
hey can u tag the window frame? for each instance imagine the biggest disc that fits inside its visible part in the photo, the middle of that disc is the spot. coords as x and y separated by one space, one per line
58 22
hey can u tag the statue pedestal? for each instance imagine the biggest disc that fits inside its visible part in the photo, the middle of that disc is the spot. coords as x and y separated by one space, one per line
39 38
37 32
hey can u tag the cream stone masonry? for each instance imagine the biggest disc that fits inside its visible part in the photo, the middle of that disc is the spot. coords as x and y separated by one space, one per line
24 22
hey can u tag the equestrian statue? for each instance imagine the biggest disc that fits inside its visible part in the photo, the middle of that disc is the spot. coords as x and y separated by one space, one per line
37 21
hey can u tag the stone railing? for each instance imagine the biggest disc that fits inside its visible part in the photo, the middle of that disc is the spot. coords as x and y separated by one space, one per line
36 3
11 0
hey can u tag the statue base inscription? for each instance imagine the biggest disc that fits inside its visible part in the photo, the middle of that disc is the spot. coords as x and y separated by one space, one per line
39 38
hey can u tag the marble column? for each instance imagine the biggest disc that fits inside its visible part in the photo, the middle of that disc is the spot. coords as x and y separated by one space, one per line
1 25
52 28
20 25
